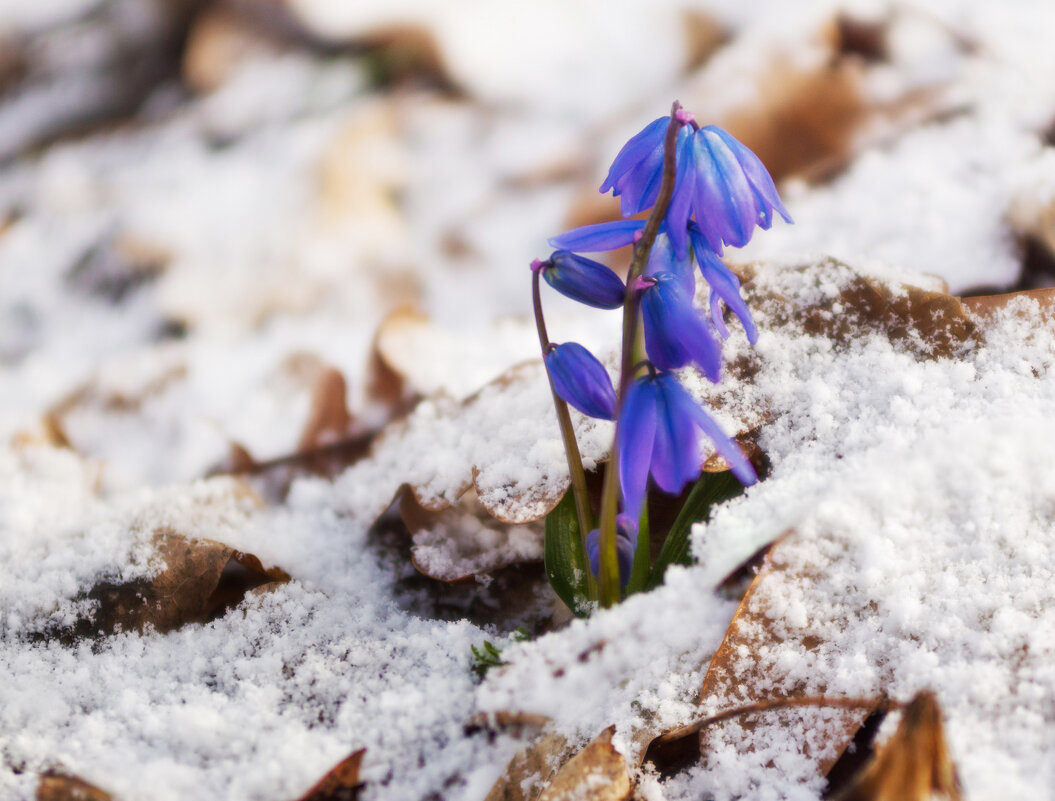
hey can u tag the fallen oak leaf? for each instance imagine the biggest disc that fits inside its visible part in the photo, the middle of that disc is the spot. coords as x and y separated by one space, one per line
531 768
341 782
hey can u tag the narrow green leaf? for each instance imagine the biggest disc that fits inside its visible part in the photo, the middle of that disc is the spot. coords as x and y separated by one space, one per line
710 489
642 556
565 559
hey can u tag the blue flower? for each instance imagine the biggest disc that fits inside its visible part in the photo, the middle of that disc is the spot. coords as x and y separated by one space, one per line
625 545
724 284
582 279
726 187
637 170
581 380
675 332
658 436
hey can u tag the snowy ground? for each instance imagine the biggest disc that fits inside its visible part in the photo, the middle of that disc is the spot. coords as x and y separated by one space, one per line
208 210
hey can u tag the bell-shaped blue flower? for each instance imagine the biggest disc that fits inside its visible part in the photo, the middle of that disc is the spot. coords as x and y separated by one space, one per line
582 279
625 546
581 380
675 332
658 436
725 287
637 171
731 192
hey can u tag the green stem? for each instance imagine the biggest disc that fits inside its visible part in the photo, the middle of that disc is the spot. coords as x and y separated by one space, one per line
567 433
609 567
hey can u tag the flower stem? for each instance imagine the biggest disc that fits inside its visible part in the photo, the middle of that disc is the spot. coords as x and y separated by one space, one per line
609 563
567 433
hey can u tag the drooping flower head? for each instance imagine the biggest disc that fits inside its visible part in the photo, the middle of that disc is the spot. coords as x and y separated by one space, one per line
580 379
659 436
726 188
718 181
675 332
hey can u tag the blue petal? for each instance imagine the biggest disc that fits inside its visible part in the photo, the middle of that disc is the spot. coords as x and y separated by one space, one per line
637 431
729 450
676 453
675 333
637 148
684 185
759 178
581 380
717 317
639 187
725 285
600 237
664 259
584 280
728 202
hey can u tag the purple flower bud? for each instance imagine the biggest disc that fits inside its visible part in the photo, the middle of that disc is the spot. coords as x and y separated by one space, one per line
583 279
581 380
658 435
625 545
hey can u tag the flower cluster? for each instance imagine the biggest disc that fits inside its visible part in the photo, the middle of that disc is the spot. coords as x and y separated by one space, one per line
713 195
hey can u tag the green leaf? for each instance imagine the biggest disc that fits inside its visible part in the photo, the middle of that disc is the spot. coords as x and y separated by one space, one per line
710 489
642 556
565 558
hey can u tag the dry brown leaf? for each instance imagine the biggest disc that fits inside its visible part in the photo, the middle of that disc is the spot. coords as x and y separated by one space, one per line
530 769
200 579
750 631
220 41
60 786
341 783
928 323
329 418
597 773
914 764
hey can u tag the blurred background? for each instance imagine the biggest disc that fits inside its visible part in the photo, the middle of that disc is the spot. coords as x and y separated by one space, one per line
209 206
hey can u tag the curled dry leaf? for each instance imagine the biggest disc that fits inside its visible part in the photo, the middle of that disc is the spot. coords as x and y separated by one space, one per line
598 773
341 783
913 765
59 786
200 579
530 769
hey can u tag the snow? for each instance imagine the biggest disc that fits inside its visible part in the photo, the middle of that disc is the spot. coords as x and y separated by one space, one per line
170 285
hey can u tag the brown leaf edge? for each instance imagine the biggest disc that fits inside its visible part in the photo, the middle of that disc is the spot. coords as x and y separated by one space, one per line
57 785
341 782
